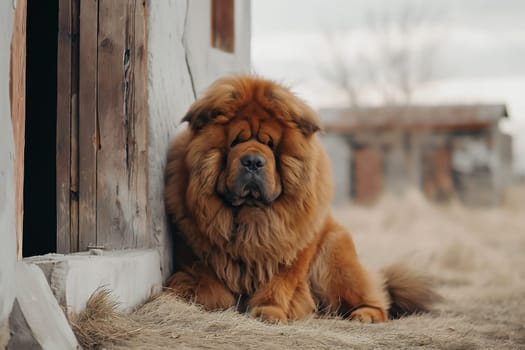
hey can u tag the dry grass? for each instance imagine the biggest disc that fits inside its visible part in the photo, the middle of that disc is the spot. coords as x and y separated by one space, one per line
101 324
477 257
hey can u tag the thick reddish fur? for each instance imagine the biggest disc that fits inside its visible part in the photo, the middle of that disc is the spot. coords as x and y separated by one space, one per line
283 260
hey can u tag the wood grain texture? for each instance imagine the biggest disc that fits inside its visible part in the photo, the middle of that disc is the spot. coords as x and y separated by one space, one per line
102 128
63 126
121 158
139 176
17 93
88 136
74 186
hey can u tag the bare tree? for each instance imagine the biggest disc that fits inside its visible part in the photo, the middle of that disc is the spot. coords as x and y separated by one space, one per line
399 58
340 71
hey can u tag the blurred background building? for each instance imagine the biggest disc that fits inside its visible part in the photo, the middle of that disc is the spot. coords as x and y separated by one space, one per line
445 150
411 93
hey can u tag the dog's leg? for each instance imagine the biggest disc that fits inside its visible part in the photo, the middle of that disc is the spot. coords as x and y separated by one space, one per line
287 295
200 285
302 304
341 283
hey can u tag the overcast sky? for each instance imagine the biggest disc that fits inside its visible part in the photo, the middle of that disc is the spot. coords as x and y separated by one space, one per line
480 53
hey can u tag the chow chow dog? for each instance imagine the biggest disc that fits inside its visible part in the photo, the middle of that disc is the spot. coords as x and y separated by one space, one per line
248 191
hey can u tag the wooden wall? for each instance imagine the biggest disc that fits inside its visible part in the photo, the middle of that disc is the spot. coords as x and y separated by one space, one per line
17 93
102 125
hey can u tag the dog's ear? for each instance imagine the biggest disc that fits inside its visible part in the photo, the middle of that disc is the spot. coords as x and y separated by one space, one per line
294 109
217 104
200 114
306 120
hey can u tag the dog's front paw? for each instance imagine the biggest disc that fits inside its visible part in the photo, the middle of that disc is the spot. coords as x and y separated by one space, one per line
211 294
269 313
367 314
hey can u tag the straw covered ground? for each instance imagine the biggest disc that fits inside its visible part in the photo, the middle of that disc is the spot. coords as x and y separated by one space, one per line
477 257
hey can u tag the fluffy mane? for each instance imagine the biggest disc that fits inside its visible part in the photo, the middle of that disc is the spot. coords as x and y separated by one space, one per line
246 246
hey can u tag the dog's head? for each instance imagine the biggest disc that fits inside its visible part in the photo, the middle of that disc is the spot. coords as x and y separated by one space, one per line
251 140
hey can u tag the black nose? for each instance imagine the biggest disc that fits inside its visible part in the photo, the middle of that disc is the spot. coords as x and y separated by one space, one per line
253 161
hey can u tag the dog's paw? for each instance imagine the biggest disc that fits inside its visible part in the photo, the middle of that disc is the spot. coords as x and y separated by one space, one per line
211 295
269 313
368 315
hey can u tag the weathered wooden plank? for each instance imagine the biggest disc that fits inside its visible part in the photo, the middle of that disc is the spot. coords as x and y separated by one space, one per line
17 90
63 146
73 228
120 203
112 205
88 137
139 103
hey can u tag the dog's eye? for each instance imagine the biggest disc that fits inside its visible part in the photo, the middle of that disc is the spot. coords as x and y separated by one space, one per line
270 143
235 141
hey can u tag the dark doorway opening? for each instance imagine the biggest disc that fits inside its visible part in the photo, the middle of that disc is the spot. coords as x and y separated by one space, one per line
39 234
